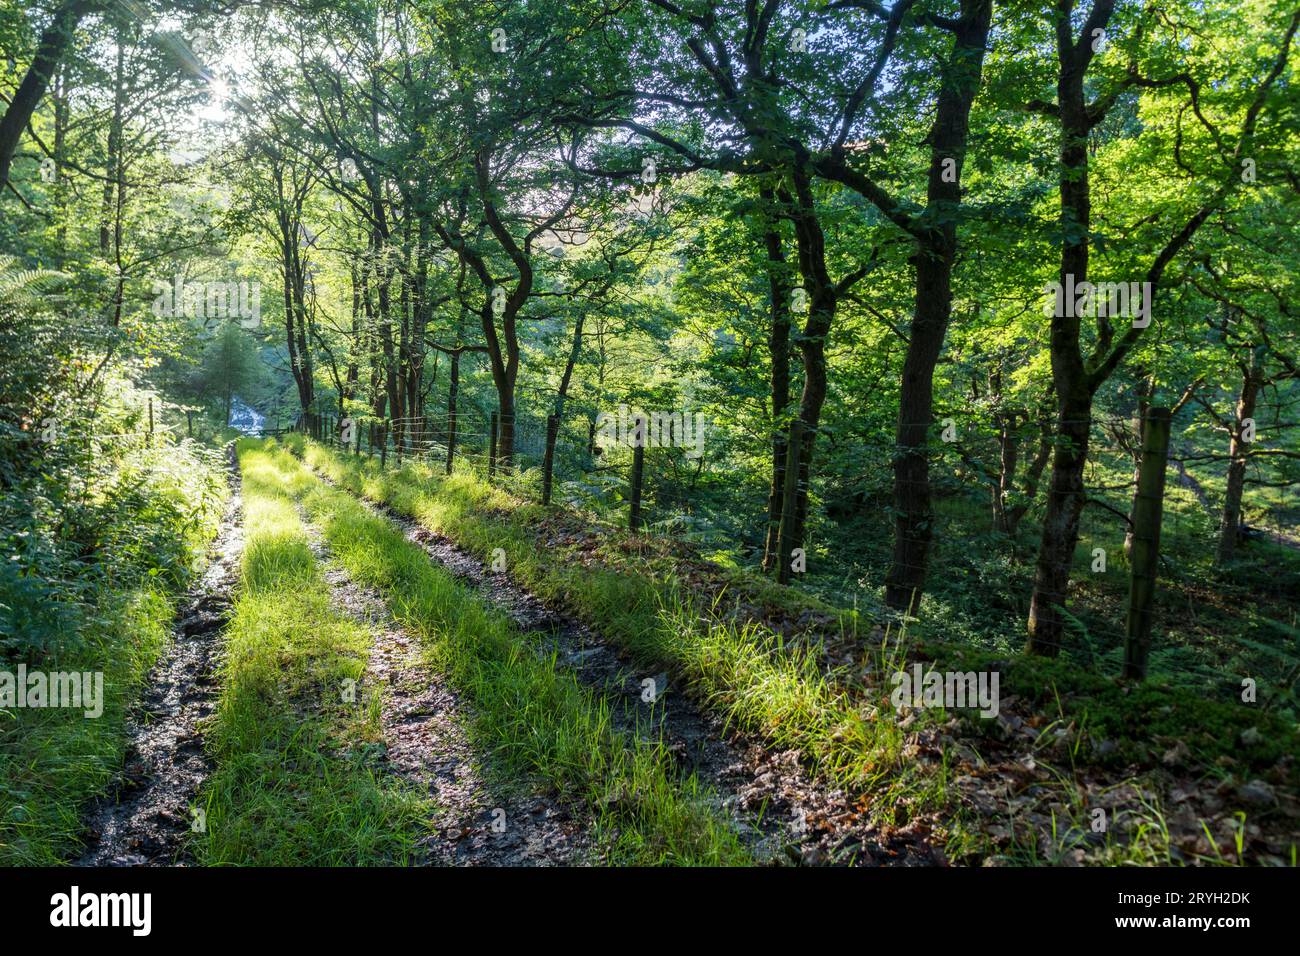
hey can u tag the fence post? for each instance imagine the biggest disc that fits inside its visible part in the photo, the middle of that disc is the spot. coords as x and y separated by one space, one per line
492 447
548 459
638 474
383 446
150 421
1144 561
789 502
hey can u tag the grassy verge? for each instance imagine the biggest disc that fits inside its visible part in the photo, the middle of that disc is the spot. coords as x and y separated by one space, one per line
529 712
54 760
294 785
743 671
1090 736
89 586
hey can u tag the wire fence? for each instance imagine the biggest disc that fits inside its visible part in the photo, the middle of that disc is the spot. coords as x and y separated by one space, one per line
977 524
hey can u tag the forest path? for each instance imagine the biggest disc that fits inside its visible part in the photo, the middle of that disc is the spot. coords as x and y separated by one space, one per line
142 820
780 813
426 744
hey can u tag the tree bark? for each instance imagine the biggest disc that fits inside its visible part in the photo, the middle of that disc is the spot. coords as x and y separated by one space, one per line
1146 541
453 395
113 158
1238 452
936 251
823 299
778 285
1146 388
1069 374
50 49
557 416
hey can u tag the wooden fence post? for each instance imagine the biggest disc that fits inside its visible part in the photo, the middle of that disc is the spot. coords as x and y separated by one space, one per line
1145 558
151 421
789 503
383 446
638 474
548 459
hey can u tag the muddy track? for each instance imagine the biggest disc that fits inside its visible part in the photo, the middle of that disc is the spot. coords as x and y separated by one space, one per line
426 744
144 817
778 810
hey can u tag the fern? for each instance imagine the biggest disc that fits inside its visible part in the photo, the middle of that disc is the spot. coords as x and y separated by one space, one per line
20 289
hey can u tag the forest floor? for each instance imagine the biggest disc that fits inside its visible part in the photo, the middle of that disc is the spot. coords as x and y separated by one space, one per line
519 687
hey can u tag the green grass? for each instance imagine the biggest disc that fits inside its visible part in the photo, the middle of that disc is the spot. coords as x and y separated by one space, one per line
531 714
743 672
639 593
91 587
294 784
54 760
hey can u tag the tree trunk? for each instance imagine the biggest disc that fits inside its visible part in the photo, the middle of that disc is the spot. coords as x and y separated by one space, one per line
50 49
1008 462
936 251
555 418
1150 498
1238 450
453 395
1065 498
637 478
1069 375
1146 388
913 520
779 347
789 495
113 159
1012 516
823 299
62 118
